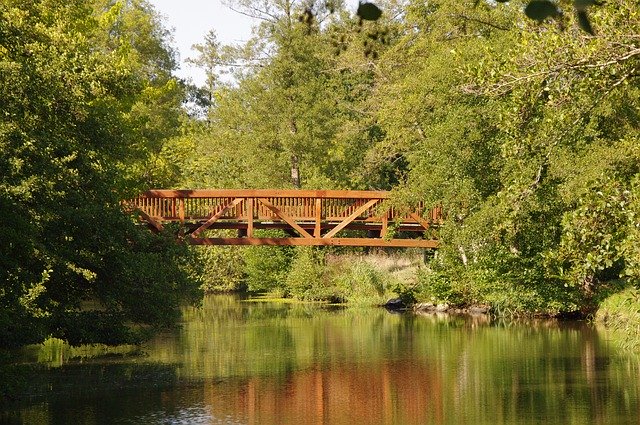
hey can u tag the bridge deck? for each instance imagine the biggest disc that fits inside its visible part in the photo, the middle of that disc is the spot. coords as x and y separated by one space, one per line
310 217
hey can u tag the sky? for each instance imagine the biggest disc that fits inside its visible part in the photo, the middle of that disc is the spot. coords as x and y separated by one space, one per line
192 19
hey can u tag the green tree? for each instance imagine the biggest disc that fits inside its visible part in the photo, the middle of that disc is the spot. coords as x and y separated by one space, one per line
295 116
73 140
537 122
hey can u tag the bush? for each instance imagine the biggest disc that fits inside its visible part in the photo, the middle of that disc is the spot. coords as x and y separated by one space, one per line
361 283
504 290
620 313
222 268
306 278
266 267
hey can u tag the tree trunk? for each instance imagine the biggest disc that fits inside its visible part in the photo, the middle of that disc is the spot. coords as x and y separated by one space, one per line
463 255
295 161
295 171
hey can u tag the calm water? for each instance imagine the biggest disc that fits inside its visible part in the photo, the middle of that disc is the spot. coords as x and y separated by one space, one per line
263 363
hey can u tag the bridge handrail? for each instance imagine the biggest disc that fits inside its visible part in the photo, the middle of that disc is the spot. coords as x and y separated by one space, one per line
265 193
317 216
178 204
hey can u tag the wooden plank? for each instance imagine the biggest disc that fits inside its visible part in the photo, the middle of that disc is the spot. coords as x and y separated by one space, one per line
308 226
285 217
150 220
385 225
181 210
250 217
424 223
317 231
216 216
352 217
397 243
265 193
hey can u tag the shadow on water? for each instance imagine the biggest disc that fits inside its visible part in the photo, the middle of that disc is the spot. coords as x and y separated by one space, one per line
248 362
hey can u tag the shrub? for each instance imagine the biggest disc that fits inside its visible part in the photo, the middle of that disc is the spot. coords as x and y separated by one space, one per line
360 283
306 278
222 268
266 267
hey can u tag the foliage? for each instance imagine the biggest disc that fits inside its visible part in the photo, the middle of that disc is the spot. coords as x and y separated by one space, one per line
361 283
306 279
620 314
515 143
538 10
294 116
222 268
266 267
599 236
87 97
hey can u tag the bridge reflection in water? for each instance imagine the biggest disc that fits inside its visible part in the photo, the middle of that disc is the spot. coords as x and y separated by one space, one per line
309 217
396 393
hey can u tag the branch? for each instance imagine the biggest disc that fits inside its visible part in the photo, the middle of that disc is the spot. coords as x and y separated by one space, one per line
627 56
503 88
256 13
480 21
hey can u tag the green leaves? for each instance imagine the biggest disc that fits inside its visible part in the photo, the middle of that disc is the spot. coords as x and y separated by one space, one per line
583 4
81 114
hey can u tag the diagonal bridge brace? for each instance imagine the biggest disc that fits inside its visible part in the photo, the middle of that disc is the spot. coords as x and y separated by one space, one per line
156 224
290 221
344 223
216 216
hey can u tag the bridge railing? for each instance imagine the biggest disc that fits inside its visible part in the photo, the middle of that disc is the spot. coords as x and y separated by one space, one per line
313 214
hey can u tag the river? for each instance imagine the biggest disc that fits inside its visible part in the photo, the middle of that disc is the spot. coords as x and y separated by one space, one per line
249 362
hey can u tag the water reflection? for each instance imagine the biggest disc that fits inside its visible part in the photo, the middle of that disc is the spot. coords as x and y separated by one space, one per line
264 363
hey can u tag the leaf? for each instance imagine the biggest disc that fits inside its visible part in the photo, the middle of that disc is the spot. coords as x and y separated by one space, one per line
540 10
368 11
502 1
583 22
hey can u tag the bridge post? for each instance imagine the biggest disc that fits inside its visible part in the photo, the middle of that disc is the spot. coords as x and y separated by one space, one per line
310 217
249 203
385 225
317 231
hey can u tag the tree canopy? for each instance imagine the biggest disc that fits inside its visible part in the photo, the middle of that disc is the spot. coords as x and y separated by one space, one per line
523 126
521 119
87 99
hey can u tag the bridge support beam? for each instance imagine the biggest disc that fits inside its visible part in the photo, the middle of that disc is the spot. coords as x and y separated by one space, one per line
393 243
311 217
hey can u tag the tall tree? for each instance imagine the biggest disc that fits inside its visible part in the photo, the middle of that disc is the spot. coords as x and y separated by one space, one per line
295 116
73 140
522 132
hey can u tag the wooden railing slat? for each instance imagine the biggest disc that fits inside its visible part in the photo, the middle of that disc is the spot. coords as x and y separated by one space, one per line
308 212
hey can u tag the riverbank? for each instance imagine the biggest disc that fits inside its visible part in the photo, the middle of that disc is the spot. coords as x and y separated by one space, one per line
360 278
619 315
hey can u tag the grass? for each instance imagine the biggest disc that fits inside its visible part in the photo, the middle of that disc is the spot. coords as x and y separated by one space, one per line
353 279
620 315
372 279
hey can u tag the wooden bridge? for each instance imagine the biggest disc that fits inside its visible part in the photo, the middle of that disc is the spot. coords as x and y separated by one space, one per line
308 217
